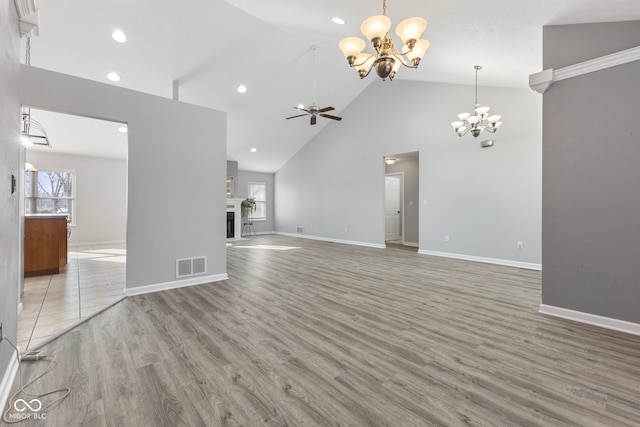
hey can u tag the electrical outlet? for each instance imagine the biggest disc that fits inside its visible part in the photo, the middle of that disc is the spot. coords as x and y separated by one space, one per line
519 245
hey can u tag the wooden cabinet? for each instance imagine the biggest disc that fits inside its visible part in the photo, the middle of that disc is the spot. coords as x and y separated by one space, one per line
45 244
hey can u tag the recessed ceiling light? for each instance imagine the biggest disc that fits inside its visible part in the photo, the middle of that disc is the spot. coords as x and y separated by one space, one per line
300 106
113 76
122 129
119 36
253 150
242 89
337 20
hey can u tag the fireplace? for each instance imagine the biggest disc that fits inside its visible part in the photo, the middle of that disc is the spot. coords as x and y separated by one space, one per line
234 219
231 220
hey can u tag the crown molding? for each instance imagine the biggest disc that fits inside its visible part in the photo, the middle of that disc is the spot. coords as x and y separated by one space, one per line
541 81
29 17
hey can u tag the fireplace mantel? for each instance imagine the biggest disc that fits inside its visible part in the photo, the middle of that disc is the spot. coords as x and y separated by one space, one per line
233 205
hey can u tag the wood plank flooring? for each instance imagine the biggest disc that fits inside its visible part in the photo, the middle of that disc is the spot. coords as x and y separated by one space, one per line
308 333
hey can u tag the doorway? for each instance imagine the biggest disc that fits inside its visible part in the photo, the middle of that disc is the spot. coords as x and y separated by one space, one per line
92 155
401 196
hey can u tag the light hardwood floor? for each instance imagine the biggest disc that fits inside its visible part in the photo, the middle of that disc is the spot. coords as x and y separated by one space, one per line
308 333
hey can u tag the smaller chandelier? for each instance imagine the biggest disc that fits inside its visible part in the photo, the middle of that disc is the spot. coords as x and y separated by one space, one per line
478 121
387 59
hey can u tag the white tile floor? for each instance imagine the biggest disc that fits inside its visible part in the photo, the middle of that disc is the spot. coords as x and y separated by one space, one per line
93 279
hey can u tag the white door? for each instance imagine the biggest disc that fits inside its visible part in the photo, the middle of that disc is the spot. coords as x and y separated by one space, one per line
393 213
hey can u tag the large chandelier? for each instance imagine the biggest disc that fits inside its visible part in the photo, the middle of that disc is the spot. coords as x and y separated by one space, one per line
480 119
387 59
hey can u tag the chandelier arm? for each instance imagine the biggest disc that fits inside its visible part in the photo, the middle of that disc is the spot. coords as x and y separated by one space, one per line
398 52
402 61
362 63
464 132
368 71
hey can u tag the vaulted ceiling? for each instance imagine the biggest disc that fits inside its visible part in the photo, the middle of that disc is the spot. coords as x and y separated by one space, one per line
209 47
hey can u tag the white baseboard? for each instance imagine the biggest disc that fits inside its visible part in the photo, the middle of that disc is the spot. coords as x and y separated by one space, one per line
591 319
7 380
139 290
510 263
328 239
412 244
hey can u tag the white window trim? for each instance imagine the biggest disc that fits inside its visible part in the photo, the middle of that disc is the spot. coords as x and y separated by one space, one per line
74 189
262 201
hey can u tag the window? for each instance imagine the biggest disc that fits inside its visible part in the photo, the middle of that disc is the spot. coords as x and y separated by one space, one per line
258 192
50 192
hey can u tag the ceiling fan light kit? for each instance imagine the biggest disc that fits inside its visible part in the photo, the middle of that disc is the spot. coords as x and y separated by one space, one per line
387 59
315 111
479 120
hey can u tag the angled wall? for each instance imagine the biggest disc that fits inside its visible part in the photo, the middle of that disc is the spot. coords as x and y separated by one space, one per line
591 201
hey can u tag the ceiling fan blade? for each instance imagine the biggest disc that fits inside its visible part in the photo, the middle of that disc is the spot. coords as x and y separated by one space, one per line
325 109
328 116
299 115
313 119
302 109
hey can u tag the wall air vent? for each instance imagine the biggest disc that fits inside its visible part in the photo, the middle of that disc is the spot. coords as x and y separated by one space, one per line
187 267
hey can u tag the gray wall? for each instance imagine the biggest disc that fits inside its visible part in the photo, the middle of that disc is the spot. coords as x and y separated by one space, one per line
486 200
101 195
242 189
10 219
409 166
176 179
565 45
591 203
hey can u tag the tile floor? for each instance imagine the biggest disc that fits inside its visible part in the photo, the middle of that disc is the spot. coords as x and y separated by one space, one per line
93 280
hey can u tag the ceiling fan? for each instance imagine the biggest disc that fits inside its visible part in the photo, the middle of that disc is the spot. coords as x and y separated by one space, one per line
315 111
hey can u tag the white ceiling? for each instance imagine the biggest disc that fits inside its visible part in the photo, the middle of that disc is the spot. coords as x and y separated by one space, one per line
81 136
211 46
